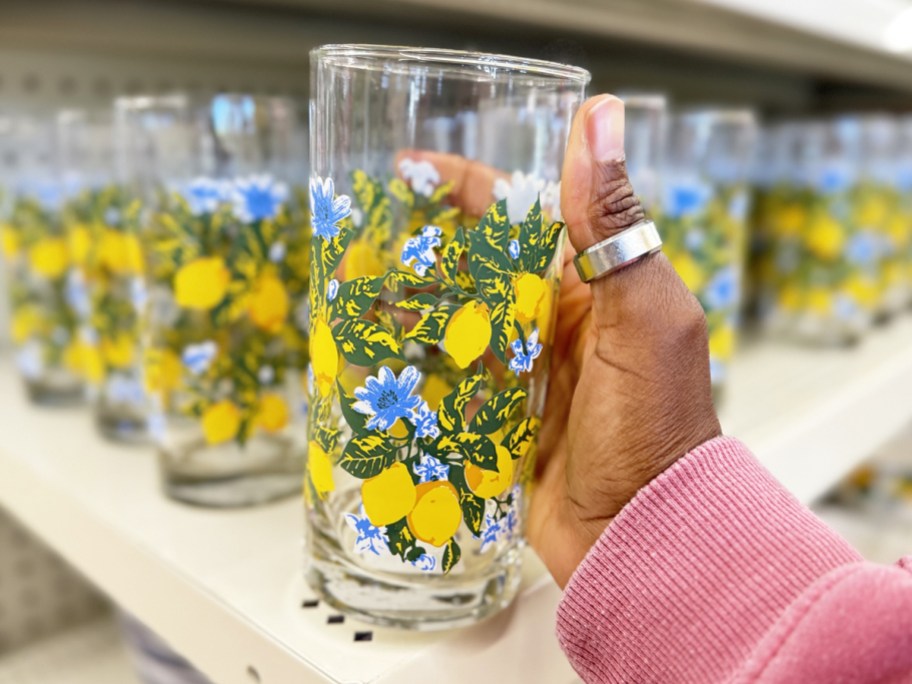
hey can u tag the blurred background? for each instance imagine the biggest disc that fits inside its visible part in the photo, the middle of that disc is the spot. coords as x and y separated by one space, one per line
771 141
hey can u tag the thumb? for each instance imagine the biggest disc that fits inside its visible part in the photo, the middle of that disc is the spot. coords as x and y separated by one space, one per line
597 202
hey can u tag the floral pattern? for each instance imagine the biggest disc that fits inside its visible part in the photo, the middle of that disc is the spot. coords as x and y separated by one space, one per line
418 313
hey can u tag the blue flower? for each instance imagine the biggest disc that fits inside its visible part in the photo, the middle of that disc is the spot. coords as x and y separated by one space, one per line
198 357
834 179
125 390
30 360
430 469
523 357
257 198
492 532
112 216
156 427
722 290
863 249
203 195
332 289
425 421
370 539
388 398
845 308
513 249
686 199
420 249
425 563
138 294
326 209
77 294
737 207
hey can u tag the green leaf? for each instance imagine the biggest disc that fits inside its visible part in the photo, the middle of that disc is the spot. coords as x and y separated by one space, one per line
407 278
432 326
496 410
327 438
450 415
450 256
495 226
451 555
503 316
356 421
538 245
365 343
400 538
399 189
521 438
473 507
356 296
327 255
478 449
368 455
419 302
375 206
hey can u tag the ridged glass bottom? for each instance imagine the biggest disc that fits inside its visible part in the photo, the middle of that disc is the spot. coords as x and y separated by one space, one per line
120 423
55 391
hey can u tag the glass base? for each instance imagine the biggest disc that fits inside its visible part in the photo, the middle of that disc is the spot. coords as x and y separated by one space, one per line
55 392
230 476
121 425
419 602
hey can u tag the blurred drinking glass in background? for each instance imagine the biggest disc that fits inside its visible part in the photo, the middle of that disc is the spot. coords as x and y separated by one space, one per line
227 247
705 204
645 126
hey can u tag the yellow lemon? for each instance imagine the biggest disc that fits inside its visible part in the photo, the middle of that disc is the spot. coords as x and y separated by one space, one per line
362 259
273 413
871 212
689 271
72 356
134 254
790 220
92 364
118 351
26 322
488 483
722 342
863 291
468 333
436 515
268 304
9 242
221 422
790 298
819 301
202 283
530 291
49 258
162 370
826 238
434 390
79 240
324 357
900 230
389 496
545 317
320 469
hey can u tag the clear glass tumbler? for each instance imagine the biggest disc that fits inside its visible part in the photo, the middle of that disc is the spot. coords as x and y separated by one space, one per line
645 127
704 215
436 264
227 248
44 322
102 219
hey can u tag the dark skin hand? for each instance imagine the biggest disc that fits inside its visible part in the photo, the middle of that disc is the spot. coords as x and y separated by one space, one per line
629 391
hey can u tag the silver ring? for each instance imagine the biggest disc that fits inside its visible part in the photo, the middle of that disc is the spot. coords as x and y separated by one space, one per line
618 251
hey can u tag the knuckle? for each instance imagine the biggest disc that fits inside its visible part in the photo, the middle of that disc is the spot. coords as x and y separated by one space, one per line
614 203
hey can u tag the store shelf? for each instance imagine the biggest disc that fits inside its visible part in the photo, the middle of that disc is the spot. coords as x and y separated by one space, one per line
90 654
812 414
225 587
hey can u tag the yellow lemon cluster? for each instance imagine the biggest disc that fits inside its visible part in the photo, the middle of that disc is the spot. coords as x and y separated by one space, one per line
488 483
49 258
120 253
531 292
468 333
201 283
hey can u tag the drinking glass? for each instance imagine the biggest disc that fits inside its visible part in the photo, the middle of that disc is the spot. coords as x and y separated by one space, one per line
44 324
645 124
704 212
101 219
227 248
436 263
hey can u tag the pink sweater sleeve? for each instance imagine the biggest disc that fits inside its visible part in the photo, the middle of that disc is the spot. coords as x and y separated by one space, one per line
715 573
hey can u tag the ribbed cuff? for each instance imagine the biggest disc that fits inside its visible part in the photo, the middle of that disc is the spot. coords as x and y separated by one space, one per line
693 571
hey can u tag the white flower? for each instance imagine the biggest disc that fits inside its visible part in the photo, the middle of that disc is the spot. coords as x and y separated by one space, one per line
421 175
198 357
138 295
203 195
332 289
550 199
277 252
266 375
520 191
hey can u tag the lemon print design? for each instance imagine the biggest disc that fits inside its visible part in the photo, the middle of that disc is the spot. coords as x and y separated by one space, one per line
49 258
689 271
9 242
436 515
80 243
319 469
221 422
162 370
488 483
201 284
92 364
362 259
26 322
324 357
826 238
389 496
268 305
531 292
468 333
722 343
118 351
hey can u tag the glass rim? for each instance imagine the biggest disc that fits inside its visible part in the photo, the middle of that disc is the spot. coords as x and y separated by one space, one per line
467 61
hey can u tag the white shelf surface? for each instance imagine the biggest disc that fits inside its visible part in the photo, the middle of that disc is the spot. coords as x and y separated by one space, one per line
90 654
225 587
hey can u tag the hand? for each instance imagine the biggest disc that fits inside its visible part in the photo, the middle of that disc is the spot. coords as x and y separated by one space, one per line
630 391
